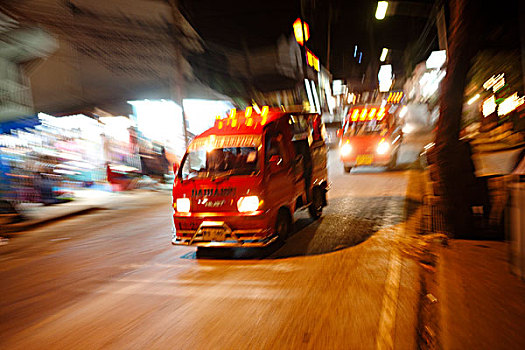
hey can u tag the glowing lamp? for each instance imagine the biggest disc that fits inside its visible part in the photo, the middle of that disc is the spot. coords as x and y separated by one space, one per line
381 113
372 113
355 115
382 6
298 31
363 114
248 112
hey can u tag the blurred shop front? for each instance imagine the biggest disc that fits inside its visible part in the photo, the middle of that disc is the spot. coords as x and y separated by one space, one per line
45 158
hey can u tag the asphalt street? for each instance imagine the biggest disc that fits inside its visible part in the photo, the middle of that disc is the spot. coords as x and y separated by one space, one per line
111 279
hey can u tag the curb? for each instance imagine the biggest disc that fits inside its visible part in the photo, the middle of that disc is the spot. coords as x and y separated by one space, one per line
15 229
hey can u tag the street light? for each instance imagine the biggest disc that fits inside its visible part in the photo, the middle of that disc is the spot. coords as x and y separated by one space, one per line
301 34
383 54
381 9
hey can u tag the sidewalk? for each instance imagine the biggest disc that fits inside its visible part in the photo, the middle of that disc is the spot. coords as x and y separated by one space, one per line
85 201
481 304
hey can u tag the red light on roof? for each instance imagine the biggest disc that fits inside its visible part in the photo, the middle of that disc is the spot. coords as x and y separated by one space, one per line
381 113
372 113
248 112
363 114
355 115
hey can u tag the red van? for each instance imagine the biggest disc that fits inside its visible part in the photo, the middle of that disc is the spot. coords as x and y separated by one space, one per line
240 182
370 136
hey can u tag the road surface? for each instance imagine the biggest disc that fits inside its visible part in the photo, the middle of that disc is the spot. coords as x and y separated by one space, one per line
112 280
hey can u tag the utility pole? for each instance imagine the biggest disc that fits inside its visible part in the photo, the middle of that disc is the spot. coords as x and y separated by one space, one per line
328 39
178 85
441 28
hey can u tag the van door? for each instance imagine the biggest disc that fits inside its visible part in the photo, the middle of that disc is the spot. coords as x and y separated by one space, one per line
279 175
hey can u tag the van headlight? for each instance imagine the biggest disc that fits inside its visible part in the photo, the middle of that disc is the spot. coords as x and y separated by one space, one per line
346 149
182 205
383 147
248 203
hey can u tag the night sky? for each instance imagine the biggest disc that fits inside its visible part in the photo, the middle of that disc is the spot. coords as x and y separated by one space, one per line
235 24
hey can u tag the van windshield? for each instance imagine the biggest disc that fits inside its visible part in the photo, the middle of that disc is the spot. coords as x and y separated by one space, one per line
220 161
366 128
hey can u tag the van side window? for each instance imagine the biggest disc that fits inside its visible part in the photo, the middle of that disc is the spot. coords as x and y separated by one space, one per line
275 146
317 128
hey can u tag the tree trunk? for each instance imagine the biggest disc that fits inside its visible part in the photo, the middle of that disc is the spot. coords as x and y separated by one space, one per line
454 165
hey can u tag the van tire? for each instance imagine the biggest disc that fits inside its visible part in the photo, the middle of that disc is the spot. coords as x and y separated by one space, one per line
393 161
347 169
282 225
315 209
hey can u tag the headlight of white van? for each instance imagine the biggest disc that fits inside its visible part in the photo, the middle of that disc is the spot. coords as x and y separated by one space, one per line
183 205
383 147
346 149
248 203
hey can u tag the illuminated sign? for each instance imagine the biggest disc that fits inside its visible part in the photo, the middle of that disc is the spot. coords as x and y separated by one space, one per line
395 97
312 60
495 82
510 104
298 31
225 141
436 59
385 77
489 106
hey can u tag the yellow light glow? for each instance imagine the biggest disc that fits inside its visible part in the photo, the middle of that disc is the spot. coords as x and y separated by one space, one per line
233 112
220 125
383 54
363 114
234 122
355 115
473 99
381 113
312 60
248 112
249 121
372 113
264 111
298 31
381 9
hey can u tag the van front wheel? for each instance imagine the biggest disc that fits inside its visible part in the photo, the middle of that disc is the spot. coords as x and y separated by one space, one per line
282 226
316 207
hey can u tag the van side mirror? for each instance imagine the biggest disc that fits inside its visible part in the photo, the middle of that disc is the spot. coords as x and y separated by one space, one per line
339 133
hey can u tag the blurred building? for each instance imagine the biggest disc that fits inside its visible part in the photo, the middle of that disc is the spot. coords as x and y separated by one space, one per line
108 52
23 46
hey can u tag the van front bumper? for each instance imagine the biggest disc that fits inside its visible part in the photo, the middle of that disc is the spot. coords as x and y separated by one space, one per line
216 231
229 243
